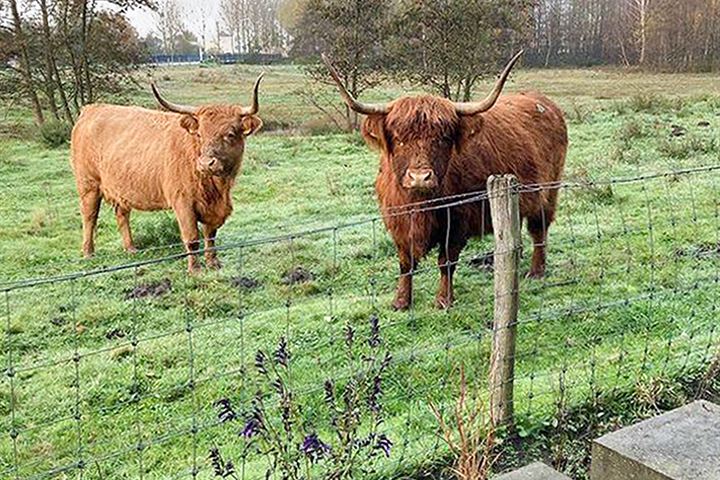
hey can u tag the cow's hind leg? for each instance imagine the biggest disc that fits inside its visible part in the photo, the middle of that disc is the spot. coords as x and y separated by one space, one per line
89 208
122 216
447 262
209 232
538 226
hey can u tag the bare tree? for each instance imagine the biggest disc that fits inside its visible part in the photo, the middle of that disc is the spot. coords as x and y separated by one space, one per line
53 79
170 24
232 13
198 16
254 25
24 63
640 10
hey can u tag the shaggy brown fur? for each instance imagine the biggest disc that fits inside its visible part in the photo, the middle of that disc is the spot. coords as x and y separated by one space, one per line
424 142
142 159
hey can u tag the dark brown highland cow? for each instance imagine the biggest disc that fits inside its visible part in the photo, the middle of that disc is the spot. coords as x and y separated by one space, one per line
140 159
431 147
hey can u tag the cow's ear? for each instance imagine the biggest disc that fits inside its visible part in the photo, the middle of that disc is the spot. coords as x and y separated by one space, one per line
373 129
251 124
189 123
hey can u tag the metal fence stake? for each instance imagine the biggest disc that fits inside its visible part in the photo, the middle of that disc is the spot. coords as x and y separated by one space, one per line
505 212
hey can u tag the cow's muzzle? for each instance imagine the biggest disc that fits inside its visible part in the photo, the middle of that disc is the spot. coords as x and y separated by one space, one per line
420 179
210 166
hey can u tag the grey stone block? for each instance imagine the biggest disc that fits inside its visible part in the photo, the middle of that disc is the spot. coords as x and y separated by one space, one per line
534 471
680 445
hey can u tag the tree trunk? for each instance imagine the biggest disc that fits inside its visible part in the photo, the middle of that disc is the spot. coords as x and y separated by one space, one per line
352 115
468 87
642 6
25 69
549 47
85 32
50 84
70 49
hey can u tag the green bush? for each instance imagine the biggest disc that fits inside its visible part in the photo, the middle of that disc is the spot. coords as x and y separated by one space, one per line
55 134
649 103
629 131
685 147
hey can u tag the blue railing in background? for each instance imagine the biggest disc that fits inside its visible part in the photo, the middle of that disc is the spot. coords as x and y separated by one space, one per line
223 58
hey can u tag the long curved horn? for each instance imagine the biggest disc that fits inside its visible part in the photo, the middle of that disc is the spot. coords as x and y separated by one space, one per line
172 107
255 106
473 108
359 107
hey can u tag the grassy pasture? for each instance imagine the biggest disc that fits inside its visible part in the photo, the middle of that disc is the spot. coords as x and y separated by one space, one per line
631 293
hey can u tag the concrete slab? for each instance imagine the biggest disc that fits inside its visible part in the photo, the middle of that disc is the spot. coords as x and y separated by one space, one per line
680 445
534 471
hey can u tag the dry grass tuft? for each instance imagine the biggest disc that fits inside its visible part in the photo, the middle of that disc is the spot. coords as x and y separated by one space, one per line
469 434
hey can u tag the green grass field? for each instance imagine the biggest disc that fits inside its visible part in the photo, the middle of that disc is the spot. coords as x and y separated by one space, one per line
631 293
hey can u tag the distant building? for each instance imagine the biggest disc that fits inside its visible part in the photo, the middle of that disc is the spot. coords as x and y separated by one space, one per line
223 43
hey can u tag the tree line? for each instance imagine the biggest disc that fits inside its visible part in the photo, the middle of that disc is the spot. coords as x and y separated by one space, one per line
447 45
666 35
58 55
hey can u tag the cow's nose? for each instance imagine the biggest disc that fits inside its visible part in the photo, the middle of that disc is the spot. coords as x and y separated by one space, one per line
421 178
208 164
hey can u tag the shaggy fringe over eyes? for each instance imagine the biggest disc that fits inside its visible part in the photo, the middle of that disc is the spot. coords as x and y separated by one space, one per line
434 117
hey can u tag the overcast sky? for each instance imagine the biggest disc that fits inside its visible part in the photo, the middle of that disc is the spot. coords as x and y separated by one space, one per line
145 20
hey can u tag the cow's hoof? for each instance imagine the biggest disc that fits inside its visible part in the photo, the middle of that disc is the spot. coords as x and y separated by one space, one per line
400 304
131 250
194 269
442 302
214 264
535 274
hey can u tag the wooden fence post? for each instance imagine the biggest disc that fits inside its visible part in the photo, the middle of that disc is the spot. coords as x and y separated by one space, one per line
505 212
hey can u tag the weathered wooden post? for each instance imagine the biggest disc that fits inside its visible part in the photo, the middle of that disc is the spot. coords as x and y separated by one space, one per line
505 212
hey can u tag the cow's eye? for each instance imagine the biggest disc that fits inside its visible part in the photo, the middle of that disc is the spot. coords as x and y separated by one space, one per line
230 136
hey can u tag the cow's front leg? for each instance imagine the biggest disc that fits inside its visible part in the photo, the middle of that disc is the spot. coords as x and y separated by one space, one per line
209 232
447 262
403 294
187 220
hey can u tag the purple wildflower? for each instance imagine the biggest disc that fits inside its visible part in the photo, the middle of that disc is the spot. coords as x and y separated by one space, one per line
374 340
314 448
226 413
279 386
260 359
252 427
386 362
383 443
349 336
222 468
282 355
374 398
329 388
286 413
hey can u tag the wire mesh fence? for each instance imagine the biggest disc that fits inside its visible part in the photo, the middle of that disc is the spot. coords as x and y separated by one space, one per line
116 373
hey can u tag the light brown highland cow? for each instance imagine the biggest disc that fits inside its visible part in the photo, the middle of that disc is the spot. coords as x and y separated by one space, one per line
140 159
